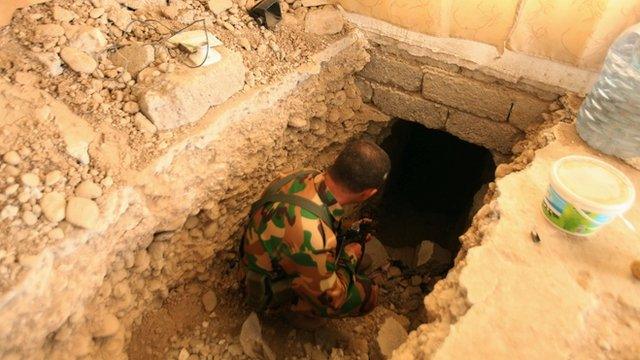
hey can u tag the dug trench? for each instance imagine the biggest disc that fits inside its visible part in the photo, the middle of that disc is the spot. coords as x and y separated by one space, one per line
156 277
436 184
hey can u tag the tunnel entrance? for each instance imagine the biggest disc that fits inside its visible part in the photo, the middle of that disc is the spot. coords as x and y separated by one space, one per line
430 192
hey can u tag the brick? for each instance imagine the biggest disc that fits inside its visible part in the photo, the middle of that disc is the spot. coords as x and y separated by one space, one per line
366 91
483 132
466 94
386 69
409 107
184 96
527 111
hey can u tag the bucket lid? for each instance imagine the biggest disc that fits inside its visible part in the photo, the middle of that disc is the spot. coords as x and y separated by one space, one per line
592 184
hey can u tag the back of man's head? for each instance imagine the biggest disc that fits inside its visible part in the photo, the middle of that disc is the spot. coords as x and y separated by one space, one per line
360 166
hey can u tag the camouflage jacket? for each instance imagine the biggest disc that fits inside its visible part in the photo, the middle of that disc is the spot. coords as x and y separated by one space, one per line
294 239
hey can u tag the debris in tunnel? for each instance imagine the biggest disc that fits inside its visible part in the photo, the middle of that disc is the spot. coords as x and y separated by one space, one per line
426 203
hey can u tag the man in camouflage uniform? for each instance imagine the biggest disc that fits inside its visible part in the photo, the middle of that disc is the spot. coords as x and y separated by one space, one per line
291 252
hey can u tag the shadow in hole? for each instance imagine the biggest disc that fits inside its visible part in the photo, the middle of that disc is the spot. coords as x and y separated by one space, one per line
430 190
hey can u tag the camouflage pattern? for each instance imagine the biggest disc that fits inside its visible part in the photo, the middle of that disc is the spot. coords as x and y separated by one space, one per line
306 248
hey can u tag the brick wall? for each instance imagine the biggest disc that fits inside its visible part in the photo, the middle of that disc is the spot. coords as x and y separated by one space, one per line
468 104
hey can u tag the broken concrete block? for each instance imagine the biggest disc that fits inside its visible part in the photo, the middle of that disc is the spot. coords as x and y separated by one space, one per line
325 21
390 336
78 60
184 96
133 58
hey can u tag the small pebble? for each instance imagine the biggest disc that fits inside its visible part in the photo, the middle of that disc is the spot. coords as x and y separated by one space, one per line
11 158
52 177
635 269
30 179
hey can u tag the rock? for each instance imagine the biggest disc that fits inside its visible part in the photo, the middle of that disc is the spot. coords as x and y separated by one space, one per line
120 17
184 96
56 233
30 179
53 206
210 301
324 21
26 78
390 336
298 122
170 12
49 30
183 355
11 189
8 212
105 325
131 107
52 177
29 218
96 13
139 4
11 158
635 269
378 254
251 339
143 124
416 280
78 60
86 38
433 257
313 352
51 62
394 272
134 58
63 15
82 212
88 189
235 350
218 6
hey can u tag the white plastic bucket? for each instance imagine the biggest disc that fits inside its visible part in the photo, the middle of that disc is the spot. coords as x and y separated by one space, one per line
585 194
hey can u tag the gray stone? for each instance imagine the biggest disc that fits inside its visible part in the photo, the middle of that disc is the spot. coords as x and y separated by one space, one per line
184 96
386 69
409 107
133 58
390 336
324 21
78 60
482 131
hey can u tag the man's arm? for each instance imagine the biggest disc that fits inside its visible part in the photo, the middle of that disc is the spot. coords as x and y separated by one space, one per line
327 287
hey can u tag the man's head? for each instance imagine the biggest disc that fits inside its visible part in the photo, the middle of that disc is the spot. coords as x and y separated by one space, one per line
359 171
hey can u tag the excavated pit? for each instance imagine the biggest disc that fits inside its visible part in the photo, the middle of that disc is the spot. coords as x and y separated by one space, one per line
173 203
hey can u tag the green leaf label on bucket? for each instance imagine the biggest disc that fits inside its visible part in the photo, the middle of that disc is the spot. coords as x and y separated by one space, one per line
568 218
585 194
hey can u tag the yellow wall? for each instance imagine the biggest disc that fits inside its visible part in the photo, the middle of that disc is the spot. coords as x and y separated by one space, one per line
577 32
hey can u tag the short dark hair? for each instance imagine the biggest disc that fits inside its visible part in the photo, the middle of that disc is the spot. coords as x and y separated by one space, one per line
361 165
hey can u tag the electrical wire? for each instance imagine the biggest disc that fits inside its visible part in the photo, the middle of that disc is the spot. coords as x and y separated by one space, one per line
172 33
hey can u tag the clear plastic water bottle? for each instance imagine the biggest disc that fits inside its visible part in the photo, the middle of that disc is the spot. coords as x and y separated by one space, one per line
609 119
